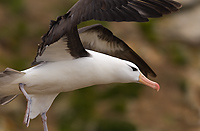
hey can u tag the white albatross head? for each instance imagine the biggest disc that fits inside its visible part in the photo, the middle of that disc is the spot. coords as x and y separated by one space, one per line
136 76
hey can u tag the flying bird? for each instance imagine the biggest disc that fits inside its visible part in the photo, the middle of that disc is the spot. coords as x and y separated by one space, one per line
69 58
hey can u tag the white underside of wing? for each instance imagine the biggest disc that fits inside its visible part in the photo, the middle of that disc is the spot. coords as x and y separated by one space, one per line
57 51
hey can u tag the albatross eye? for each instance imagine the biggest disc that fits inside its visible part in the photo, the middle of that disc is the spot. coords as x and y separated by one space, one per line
133 68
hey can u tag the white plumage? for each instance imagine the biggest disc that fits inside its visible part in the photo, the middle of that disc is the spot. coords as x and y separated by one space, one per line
48 79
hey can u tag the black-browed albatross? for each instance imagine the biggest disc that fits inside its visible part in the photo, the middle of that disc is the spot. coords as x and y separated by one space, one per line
69 59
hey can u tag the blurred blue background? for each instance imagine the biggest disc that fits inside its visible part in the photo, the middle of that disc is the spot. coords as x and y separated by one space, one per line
170 45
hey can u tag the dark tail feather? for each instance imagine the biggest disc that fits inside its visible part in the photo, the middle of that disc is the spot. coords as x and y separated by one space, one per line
7 99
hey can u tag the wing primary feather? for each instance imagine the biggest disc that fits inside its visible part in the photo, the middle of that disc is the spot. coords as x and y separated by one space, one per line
145 10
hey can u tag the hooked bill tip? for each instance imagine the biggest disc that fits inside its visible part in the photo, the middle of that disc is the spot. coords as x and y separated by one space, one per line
157 87
147 82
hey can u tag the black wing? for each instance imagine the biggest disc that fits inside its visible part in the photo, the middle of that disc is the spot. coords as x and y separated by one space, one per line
100 39
106 10
121 10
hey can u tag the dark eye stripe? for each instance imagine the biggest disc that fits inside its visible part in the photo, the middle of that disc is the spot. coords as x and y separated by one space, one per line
133 68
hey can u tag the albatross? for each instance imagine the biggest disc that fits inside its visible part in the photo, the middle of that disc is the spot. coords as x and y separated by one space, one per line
69 58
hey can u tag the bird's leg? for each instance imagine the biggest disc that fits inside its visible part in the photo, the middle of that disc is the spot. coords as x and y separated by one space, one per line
44 121
29 101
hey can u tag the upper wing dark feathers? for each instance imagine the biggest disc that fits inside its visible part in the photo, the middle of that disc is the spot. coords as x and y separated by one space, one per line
108 10
74 44
102 6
